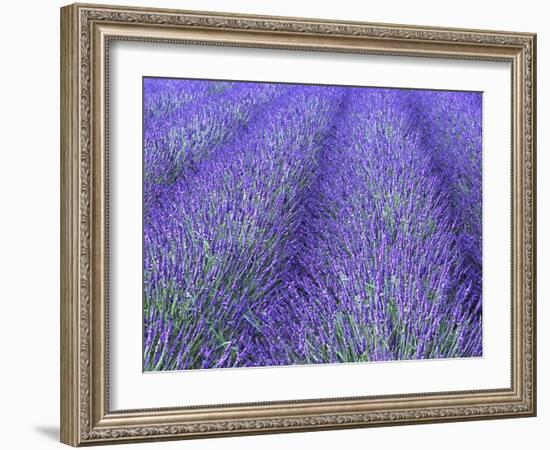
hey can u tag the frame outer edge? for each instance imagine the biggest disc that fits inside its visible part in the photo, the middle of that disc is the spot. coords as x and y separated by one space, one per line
69 184
533 119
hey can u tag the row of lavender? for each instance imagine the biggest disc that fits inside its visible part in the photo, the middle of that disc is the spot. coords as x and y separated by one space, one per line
288 224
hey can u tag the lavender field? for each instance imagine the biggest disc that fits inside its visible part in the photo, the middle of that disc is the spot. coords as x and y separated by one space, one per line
299 224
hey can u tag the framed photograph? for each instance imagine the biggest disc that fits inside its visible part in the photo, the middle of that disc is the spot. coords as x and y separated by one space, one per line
274 224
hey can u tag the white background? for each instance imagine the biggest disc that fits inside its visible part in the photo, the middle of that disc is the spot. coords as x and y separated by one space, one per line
132 389
29 178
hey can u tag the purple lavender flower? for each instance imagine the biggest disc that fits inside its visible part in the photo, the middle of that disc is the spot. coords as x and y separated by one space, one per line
291 224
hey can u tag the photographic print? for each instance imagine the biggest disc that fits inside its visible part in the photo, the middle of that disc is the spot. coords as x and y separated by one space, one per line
291 224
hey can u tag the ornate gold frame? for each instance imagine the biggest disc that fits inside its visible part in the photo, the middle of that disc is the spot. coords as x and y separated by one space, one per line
86 31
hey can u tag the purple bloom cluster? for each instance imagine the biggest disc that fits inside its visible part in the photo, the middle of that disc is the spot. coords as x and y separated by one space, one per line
293 224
